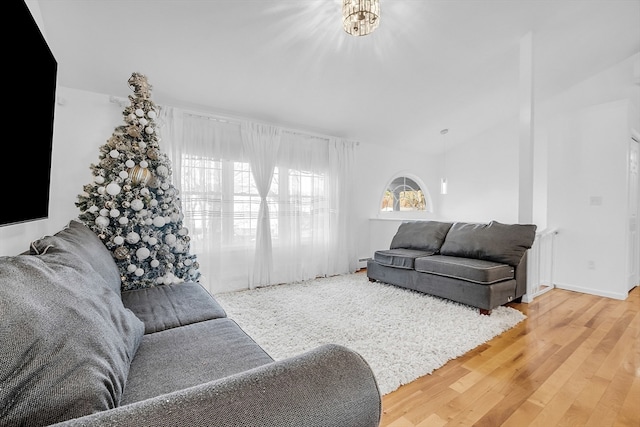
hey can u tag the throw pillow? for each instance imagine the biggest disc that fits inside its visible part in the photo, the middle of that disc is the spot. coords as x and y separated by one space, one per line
82 241
420 235
67 340
504 243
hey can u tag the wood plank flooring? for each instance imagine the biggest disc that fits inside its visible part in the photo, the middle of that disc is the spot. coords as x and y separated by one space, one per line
575 361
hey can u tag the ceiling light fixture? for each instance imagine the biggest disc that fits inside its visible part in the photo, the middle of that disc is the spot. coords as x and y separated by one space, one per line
360 17
443 180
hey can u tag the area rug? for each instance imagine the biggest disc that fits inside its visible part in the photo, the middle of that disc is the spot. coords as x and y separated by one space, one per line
402 334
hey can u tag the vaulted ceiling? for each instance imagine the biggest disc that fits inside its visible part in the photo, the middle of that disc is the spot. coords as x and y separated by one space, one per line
430 65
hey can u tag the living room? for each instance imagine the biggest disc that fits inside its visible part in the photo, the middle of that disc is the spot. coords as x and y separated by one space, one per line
584 121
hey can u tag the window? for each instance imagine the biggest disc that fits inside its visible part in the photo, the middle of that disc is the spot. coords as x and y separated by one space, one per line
403 194
229 206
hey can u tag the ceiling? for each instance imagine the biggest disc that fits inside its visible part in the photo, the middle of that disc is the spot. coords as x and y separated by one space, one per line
430 65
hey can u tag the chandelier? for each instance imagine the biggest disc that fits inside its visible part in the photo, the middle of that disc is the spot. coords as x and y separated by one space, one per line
360 17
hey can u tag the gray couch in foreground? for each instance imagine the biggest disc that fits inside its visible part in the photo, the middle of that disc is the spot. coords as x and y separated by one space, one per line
481 265
79 352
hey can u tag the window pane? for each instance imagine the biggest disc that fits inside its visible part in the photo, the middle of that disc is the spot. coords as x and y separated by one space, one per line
403 194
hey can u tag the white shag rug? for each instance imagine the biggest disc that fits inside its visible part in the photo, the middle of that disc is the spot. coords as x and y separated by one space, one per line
402 334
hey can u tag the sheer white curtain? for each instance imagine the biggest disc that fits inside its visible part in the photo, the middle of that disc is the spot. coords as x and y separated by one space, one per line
261 212
204 153
315 237
261 144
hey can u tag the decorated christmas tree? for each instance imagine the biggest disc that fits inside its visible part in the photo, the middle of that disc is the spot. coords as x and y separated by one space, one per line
132 205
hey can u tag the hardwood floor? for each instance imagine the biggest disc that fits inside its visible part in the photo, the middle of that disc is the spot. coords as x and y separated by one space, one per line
575 361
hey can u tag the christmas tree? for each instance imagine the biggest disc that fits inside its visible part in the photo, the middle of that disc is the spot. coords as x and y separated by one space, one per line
132 205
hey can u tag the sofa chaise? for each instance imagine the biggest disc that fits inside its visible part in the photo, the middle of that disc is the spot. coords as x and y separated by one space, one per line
77 351
478 264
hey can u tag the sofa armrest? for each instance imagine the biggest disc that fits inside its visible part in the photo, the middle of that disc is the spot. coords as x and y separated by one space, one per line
327 386
521 276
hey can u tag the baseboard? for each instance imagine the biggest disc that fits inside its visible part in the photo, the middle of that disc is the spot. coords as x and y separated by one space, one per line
613 295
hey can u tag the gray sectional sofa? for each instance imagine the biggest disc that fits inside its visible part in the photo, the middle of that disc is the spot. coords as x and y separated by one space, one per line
76 351
478 264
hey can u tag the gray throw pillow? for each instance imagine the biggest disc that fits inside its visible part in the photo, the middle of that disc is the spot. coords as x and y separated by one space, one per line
67 340
504 243
83 242
420 235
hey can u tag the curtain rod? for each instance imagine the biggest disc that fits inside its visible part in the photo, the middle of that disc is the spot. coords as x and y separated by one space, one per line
123 102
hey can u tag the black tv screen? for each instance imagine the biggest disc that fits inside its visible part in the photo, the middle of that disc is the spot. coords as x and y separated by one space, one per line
30 84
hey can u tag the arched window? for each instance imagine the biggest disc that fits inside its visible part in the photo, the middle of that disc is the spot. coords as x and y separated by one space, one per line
404 194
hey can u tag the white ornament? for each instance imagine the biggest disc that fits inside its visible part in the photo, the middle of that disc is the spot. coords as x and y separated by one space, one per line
114 213
114 153
142 145
123 220
139 112
152 115
99 179
130 163
113 189
159 221
131 117
162 171
143 121
131 268
148 130
153 241
137 204
139 272
93 209
123 174
183 231
170 239
104 212
153 202
154 263
165 185
102 221
144 164
101 190
144 191
133 238
193 272
148 221
118 240
143 253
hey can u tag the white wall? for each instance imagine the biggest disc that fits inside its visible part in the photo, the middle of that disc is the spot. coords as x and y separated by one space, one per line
588 198
376 166
482 176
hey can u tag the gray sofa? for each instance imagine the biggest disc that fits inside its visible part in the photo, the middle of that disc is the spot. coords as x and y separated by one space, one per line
77 351
478 264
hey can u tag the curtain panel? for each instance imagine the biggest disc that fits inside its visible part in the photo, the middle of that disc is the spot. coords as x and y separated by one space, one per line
264 205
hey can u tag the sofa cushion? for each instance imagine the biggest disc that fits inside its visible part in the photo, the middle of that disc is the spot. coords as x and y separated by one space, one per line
178 358
83 242
469 269
420 235
503 243
168 306
67 340
399 258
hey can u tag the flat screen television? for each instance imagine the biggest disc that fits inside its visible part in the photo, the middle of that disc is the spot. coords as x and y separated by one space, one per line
30 93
